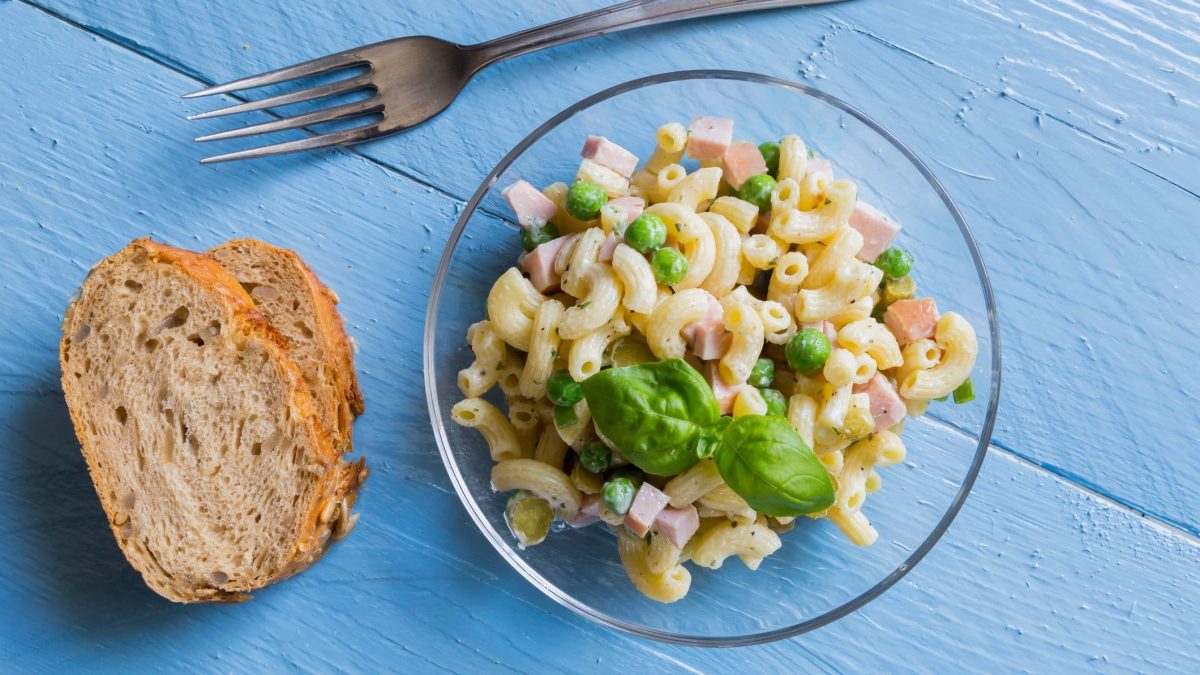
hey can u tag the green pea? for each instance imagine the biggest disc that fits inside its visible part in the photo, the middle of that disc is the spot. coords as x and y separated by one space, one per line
763 373
770 153
776 403
646 234
670 267
965 393
630 472
895 262
757 190
564 416
595 457
808 350
562 389
617 495
533 237
584 200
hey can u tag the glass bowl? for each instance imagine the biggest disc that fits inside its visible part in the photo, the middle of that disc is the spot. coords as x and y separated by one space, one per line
818 575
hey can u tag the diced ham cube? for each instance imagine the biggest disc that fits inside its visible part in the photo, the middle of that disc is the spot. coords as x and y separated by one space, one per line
708 337
603 151
886 405
709 138
629 207
711 341
533 208
678 525
726 394
911 320
539 264
607 247
649 502
876 228
825 327
818 165
740 162
589 512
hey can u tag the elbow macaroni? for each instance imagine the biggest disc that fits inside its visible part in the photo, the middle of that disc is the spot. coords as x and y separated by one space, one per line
489 350
497 431
511 305
632 268
956 338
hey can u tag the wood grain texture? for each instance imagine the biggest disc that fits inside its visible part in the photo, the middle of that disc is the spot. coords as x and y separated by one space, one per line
1035 575
1061 128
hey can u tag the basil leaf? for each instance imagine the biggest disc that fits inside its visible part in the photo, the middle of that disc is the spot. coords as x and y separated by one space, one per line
766 462
659 415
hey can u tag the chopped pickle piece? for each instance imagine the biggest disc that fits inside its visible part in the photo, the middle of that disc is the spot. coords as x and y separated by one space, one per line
630 351
903 288
585 481
528 518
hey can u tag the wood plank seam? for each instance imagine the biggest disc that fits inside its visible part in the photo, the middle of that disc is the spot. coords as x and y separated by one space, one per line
1170 525
166 62
1113 148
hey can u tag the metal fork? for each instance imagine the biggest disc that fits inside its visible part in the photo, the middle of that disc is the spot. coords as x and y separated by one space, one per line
415 78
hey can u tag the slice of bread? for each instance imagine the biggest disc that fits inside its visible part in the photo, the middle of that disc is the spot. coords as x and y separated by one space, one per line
204 445
289 294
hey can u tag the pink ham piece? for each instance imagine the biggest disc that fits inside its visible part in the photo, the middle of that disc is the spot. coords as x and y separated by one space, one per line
603 151
740 162
818 165
709 138
678 525
708 337
630 208
539 264
825 327
911 320
876 228
607 247
711 341
589 512
886 405
649 502
726 394
533 208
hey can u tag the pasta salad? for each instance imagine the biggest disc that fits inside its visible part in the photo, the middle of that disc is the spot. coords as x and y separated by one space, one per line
696 358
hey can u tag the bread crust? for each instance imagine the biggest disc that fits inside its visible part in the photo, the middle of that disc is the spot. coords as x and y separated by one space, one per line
338 480
336 348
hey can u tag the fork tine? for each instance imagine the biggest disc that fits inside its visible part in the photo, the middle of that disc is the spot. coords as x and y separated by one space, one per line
339 87
356 135
314 67
353 109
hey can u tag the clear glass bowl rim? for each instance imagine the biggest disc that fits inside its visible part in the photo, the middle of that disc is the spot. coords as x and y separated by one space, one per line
498 541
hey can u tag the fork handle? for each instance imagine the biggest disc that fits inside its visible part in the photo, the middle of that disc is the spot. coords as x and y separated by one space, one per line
632 14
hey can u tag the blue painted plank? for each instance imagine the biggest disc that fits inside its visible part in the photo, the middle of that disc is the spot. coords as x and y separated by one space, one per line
1123 75
1035 574
1079 211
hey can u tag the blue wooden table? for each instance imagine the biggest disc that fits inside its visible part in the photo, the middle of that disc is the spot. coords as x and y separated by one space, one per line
1065 130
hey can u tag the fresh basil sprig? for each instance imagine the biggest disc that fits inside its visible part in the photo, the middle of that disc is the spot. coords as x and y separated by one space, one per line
769 465
662 416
